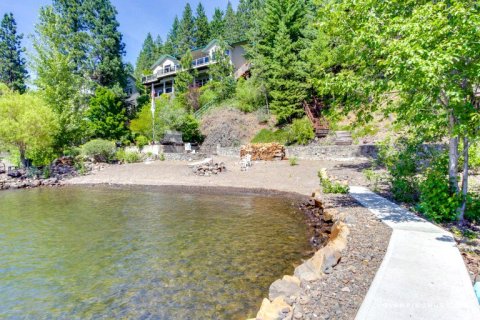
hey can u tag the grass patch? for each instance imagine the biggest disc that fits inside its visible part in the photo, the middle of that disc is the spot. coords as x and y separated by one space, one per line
268 136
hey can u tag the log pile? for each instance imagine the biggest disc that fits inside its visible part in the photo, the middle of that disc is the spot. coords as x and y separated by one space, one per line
263 151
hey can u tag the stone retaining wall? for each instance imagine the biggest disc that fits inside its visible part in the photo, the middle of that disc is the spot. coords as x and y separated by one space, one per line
316 152
284 294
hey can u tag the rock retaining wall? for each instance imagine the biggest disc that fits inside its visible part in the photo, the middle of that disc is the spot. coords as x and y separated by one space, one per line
284 294
316 152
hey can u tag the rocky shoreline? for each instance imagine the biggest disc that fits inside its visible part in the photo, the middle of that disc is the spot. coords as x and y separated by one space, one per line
333 283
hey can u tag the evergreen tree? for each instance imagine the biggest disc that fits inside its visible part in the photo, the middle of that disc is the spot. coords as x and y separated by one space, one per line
246 12
186 77
159 48
217 25
12 65
277 55
186 28
146 57
202 28
231 32
107 48
171 45
221 73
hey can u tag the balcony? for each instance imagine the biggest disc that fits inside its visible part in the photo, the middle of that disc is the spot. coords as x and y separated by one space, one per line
197 63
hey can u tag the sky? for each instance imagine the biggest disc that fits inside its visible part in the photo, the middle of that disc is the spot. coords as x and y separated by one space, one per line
136 18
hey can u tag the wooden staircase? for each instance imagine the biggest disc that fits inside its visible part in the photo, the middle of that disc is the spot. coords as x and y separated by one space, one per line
314 113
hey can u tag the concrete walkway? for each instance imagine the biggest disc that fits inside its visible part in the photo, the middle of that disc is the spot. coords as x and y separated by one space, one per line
422 275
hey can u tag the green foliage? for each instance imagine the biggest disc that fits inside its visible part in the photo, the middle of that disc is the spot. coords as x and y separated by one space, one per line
217 25
375 179
186 28
249 95
147 57
100 150
402 159
293 161
221 73
141 141
128 156
162 157
185 78
27 125
190 128
267 136
437 201
473 208
329 186
231 32
106 115
300 131
277 56
168 116
474 156
12 67
202 28
171 45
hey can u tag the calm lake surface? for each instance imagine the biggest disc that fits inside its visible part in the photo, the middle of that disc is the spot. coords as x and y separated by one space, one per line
141 253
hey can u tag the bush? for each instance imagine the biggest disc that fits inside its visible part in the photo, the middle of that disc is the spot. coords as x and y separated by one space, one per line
329 186
141 141
100 150
472 212
190 128
474 156
128 156
293 161
301 131
249 95
268 136
437 202
402 159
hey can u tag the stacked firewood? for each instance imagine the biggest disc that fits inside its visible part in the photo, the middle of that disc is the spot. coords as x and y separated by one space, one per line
263 151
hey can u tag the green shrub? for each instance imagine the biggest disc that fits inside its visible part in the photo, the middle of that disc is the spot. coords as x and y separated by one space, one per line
402 159
72 152
100 150
329 186
374 179
128 156
293 161
268 136
474 156
141 141
249 95
300 131
437 202
162 157
472 212
190 129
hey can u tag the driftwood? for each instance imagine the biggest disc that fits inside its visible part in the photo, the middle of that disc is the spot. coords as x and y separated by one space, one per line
263 151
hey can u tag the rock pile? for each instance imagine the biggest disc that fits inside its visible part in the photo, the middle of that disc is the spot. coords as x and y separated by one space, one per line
209 168
263 151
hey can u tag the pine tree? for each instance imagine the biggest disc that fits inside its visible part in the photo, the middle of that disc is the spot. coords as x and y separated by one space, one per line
221 73
159 48
231 29
171 45
186 28
146 57
202 28
277 56
12 65
186 77
107 47
217 25
246 12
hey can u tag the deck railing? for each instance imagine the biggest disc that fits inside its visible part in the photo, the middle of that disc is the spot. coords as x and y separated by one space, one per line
203 61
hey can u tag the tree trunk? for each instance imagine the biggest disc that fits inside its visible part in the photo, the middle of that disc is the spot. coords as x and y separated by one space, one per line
23 160
461 214
452 155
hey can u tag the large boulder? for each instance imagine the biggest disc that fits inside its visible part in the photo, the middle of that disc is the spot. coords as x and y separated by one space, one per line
286 287
278 309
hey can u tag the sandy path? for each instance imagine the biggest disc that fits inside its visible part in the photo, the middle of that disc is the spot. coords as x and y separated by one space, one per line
278 175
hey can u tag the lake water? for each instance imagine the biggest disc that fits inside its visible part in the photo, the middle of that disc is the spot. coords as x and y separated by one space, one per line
142 253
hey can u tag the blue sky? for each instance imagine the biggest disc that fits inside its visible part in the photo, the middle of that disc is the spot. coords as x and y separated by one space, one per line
136 17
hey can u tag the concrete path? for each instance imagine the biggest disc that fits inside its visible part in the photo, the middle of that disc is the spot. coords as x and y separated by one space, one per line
422 275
